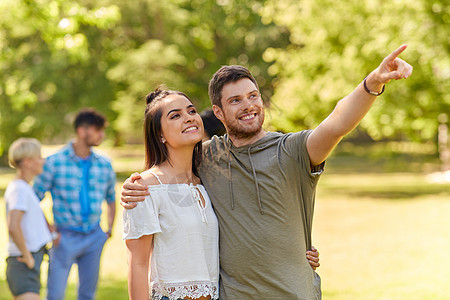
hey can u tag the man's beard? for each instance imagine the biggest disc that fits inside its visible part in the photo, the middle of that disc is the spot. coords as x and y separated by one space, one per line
238 131
242 135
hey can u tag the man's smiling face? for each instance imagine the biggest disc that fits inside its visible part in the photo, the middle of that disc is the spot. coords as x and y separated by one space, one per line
242 109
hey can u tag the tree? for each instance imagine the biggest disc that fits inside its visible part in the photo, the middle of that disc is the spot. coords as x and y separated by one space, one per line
52 63
334 45
182 43
60 55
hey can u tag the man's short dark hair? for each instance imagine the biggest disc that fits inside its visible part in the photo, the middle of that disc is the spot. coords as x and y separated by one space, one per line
89 117
223 76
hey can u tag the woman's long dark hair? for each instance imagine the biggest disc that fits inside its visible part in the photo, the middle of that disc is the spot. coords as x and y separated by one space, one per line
155 150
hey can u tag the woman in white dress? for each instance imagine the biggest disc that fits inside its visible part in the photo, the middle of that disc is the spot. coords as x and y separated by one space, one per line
175 228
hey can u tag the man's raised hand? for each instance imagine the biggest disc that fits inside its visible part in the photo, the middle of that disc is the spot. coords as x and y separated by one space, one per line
392 67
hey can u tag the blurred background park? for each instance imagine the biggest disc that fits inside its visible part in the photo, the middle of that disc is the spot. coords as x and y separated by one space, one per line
382 221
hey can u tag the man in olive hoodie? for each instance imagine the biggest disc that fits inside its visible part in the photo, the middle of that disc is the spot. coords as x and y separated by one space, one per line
262 184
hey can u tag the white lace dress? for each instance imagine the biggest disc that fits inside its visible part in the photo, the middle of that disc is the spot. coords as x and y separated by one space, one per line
185 259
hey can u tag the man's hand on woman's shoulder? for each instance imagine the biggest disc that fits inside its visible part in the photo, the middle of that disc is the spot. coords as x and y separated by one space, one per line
133 190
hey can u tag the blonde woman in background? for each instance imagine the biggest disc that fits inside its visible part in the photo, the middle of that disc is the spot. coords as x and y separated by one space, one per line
28 229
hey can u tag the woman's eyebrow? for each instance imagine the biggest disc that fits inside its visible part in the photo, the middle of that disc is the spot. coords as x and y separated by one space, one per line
173 110
177 109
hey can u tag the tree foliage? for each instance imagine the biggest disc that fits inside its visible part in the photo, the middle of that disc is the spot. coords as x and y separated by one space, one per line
60 55
53 60
333 46
57 56
181 44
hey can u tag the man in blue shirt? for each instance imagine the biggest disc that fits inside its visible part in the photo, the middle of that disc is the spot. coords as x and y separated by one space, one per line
78 179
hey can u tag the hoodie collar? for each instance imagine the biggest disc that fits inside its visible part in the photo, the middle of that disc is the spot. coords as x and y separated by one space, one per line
259 144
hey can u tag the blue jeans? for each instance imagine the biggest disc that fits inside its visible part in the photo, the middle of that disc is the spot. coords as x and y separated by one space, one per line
85 250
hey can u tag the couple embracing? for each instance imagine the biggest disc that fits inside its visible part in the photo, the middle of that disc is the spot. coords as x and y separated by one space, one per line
256 188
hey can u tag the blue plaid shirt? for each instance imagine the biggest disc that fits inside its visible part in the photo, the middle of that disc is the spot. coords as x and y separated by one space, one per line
63 177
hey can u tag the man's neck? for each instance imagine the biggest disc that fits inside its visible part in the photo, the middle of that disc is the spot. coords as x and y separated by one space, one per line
81 149
239 142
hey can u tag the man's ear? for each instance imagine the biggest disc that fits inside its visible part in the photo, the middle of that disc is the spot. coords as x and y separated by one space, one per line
81 131
218 112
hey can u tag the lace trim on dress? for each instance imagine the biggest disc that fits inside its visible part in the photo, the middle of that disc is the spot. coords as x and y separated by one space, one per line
191 289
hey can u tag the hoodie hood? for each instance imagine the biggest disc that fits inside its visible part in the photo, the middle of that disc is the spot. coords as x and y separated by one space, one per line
270 139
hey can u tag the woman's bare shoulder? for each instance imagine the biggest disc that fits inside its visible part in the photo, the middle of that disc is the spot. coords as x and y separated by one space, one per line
150 177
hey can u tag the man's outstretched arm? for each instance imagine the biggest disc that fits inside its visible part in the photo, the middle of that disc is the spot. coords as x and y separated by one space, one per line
352 108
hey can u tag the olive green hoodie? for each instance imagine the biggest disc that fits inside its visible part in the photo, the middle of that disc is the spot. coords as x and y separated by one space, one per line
263 195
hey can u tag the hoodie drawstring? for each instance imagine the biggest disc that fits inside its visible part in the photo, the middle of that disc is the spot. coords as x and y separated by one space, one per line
256 182
230 181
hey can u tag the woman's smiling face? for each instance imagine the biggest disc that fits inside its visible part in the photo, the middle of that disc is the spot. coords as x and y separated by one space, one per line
181 125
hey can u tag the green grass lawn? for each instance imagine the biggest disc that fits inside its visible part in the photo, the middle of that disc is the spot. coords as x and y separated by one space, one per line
379 240
383 232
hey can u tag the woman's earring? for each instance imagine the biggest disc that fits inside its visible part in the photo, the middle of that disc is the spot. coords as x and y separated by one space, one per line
163 140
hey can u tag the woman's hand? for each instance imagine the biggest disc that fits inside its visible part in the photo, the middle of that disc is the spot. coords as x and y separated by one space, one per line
27 259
